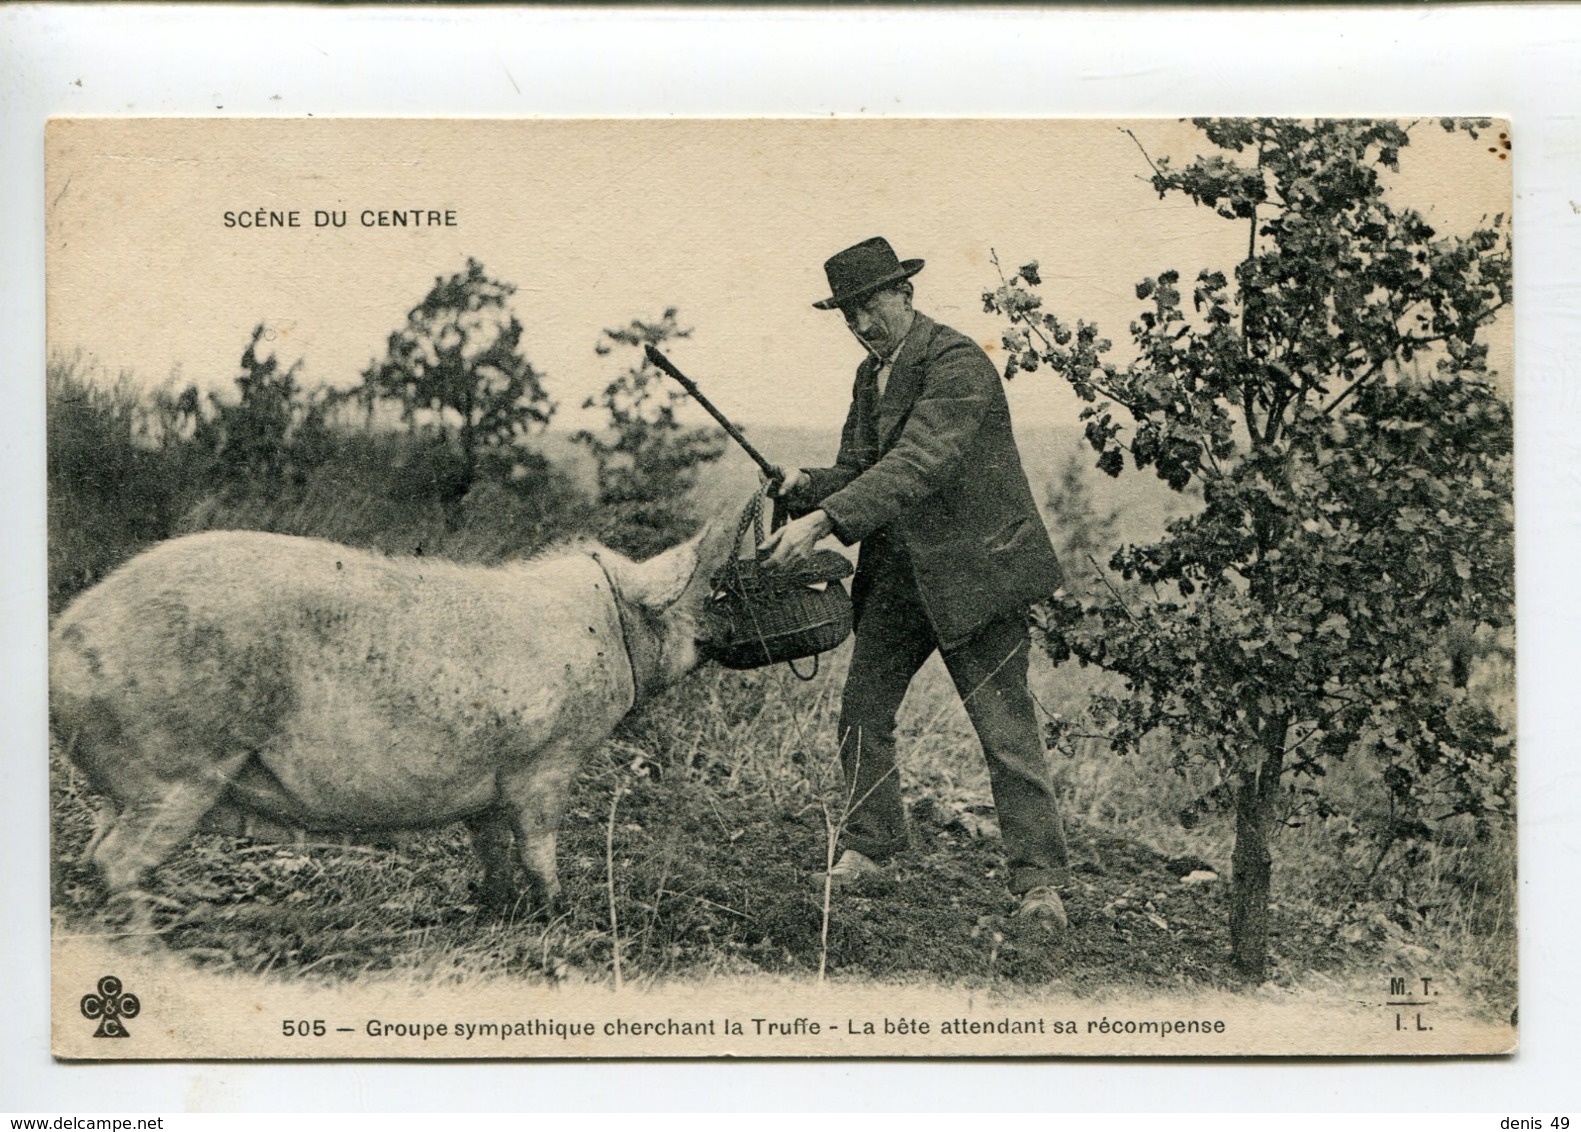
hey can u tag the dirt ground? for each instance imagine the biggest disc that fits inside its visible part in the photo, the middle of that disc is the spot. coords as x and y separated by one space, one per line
707 881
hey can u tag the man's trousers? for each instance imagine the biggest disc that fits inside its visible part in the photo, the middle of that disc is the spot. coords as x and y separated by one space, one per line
893 639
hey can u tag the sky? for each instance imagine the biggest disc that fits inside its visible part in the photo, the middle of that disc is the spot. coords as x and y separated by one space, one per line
597 222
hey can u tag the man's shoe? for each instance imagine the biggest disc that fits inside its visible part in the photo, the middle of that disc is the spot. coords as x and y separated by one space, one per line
1043 903
853 866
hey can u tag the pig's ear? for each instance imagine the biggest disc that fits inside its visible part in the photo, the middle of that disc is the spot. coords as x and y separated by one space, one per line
684 571
662 579
714 546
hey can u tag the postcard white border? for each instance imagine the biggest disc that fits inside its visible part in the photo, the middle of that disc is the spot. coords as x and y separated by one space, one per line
1522 61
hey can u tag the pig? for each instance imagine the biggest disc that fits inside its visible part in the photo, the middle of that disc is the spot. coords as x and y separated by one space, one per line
337 690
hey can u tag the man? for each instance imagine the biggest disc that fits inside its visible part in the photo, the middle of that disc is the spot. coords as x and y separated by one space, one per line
929 481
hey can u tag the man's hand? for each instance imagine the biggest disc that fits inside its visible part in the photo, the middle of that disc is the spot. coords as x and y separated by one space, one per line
793 481
793 542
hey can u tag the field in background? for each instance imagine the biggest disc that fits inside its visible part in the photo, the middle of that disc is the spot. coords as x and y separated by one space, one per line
705 817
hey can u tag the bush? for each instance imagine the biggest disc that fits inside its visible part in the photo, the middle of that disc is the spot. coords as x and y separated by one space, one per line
391 491
127 469
647 461
118 479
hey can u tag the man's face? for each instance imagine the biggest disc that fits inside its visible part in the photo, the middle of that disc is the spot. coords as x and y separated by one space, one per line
880 319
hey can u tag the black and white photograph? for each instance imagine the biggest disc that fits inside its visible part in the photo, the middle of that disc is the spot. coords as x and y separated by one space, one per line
923 587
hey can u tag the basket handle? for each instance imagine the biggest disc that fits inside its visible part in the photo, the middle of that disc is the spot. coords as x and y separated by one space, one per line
750 525
752 520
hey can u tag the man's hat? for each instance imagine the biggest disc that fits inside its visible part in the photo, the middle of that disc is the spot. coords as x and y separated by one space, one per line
863 269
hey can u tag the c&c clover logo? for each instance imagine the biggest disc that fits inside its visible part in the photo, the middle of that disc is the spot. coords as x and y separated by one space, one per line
109 1006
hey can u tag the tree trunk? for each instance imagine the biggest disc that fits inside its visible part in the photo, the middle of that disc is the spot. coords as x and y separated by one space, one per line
469 439
461 485
1251 880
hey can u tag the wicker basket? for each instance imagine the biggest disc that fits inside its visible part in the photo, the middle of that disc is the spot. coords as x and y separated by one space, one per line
757 617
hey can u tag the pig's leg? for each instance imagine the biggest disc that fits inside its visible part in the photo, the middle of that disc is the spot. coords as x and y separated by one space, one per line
491 838
155 819
535 797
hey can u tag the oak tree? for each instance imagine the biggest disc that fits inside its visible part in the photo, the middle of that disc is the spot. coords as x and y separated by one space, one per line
1330 396
457 367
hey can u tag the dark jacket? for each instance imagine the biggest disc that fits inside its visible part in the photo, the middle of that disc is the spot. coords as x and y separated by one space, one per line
932 470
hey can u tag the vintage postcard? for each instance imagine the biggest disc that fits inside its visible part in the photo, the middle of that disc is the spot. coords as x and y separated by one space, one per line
781 588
